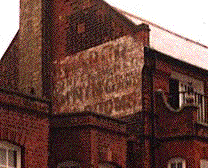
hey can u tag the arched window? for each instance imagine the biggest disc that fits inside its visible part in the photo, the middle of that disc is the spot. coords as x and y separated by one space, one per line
108 165
177 163
10 155
68 164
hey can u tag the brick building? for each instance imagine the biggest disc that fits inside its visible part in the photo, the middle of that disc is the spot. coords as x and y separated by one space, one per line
84 84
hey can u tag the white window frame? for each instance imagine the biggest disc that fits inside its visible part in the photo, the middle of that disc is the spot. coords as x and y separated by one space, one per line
176 161
198 87
203 163
68 164
9 146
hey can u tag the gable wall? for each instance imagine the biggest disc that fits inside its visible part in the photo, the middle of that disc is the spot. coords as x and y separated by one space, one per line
97 61
105 79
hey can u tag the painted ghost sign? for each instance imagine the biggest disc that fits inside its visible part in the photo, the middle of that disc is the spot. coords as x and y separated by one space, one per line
104 79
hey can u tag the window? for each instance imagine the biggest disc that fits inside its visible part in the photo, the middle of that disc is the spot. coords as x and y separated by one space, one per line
203 163
10 156
174 93
108 165
176 163
185 90
68 164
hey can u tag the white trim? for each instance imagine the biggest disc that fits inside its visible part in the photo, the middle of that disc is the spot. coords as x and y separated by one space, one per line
198 89
197 84
177 160
9 146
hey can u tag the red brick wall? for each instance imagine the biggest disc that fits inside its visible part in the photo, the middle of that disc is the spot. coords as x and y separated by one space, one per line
192 151
162 76
87 139
206 99
87 146
114 145
71 145
176 149
28 131
170 124
177 135
73 15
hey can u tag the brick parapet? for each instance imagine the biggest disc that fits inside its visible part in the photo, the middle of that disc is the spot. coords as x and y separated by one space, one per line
17 100
88 119
92 135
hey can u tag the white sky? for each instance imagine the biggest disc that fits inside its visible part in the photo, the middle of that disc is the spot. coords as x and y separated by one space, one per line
185 17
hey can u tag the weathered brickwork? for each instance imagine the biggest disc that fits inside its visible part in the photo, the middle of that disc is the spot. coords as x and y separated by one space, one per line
30 46
104 79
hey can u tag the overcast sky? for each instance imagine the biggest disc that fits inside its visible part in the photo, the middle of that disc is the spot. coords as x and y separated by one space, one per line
185 17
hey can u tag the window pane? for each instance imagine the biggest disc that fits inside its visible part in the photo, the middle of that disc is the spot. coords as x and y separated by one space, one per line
173 165
12 157
174 93
204 164
179 165
2 156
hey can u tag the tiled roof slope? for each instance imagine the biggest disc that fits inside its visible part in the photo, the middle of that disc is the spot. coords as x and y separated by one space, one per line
173 44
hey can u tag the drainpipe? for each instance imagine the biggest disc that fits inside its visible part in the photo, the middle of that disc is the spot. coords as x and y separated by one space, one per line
151 64
152 117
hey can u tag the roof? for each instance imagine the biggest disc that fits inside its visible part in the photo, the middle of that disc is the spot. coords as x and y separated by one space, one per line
172 44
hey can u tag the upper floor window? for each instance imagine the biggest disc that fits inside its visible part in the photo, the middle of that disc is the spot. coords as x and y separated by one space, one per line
10 156
177 163
185 90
